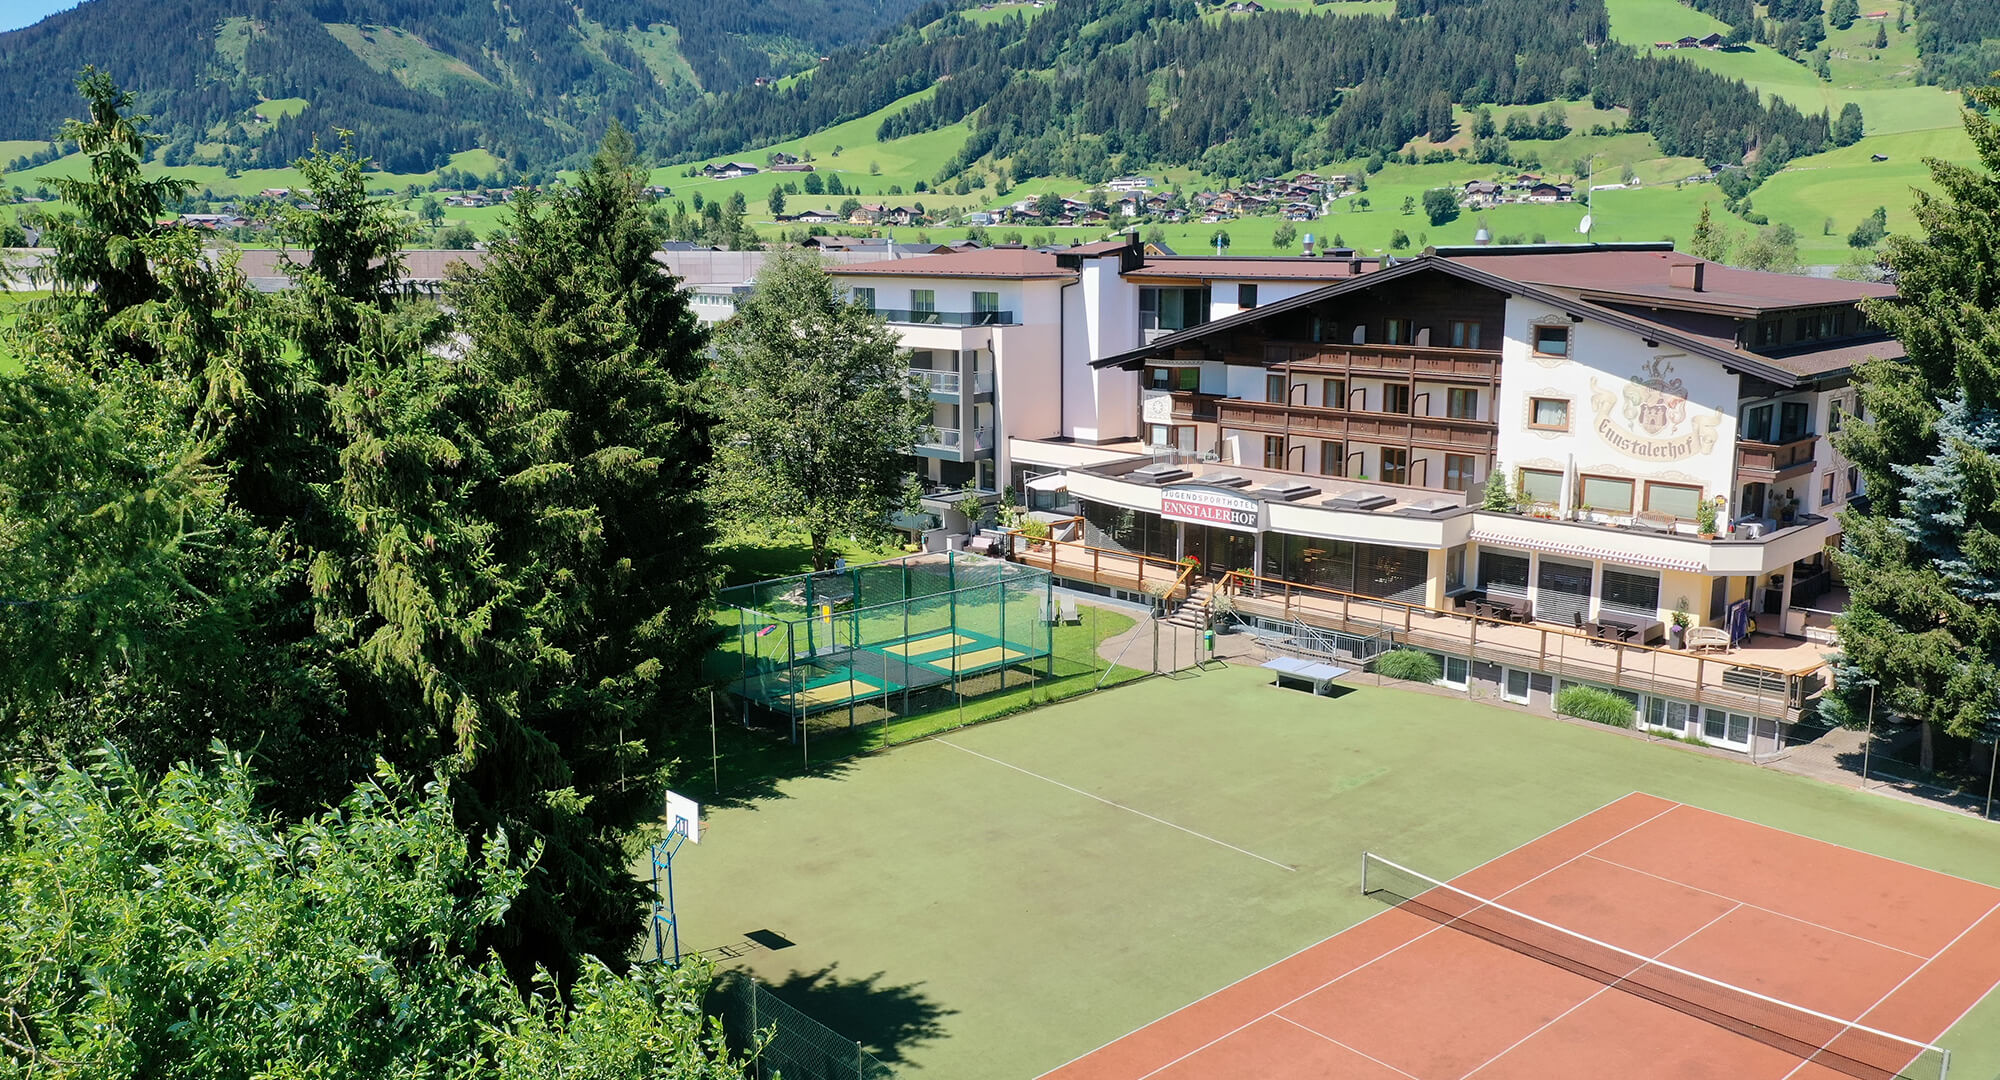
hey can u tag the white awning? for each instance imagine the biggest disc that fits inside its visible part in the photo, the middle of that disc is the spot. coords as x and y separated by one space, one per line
1581 551
1050 482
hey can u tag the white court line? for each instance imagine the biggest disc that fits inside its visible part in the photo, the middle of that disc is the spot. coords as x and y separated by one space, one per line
1755 907
1974 925
1829 843
1344 1046
1384 911
1388 953
1121 806
1607 987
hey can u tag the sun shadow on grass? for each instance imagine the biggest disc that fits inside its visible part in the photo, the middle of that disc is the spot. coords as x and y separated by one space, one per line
886 1019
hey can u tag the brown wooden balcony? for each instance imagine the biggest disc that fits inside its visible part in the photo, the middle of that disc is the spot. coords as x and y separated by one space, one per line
1423 362
1770 462
1391 428
1189 405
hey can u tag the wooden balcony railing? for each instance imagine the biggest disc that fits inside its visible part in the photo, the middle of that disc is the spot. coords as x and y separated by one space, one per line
1725 681
1481 365
1433 431
1104 566
1774 461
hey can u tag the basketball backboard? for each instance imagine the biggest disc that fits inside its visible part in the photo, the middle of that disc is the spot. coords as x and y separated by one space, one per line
684 811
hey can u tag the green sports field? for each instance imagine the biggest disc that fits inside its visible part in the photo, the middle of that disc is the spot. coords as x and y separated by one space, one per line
996 902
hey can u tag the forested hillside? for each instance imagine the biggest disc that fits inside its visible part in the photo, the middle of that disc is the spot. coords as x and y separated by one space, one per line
532 81
1960 40
1101 86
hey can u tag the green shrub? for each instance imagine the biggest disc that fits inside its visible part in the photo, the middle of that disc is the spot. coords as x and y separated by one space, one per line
1597 706
1408 664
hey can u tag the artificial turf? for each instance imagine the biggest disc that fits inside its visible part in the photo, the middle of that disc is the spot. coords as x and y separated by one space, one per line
977 906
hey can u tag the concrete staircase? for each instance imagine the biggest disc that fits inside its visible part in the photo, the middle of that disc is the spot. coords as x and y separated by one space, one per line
1192 614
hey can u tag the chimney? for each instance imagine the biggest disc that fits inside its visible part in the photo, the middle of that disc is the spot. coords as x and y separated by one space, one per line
1308 242
1686 275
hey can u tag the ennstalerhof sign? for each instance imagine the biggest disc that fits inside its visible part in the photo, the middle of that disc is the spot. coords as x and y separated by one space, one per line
1216 506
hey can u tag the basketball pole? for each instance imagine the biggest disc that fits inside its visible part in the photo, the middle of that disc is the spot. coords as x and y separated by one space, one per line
1868 744
714 751
1991 771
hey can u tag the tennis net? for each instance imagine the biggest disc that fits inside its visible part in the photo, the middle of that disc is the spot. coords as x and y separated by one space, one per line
1844 1046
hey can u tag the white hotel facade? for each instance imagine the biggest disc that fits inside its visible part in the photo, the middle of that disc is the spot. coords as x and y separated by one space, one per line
1324 428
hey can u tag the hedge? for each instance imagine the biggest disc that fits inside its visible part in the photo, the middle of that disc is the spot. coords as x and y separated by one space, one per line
1408 664
1597 706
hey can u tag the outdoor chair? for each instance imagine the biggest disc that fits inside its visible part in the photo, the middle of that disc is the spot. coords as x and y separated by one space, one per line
1707 637
1070 616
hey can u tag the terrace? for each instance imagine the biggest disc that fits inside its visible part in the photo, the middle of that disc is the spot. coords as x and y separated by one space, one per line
1765 675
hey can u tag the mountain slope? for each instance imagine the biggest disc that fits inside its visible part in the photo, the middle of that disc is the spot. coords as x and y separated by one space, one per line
532 80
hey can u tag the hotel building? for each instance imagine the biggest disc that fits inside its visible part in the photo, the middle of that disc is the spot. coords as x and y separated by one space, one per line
1318 434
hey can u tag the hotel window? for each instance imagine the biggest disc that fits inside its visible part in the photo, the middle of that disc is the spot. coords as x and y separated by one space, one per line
1542 485
1793 417
1395 465
1460 472
1396 331
1515 687
1552 340
1853 481
1461 404
985 303
1274 451
1332 459
1835 415
1757 424
1501 572
1395 398
1769 332
1176 378
1826 490
1678 500
865 298
1609 494
1808 328
1454 568
1630 590
1827 326
1172 309
1274 388
1549 414
1464 335
1246 296
1333 393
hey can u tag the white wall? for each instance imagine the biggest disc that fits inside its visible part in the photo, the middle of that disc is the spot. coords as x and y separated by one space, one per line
1103 405
953 294
1685 435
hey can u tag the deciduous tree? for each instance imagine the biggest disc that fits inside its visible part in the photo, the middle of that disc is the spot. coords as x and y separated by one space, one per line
818 410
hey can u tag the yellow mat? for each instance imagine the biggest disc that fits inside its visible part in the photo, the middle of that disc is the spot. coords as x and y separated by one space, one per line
983 658
835 693
934 643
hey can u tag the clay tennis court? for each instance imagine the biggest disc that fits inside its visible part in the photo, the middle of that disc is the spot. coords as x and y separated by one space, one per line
1824 961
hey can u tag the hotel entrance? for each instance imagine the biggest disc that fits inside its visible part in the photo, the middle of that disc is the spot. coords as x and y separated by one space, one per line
1218 550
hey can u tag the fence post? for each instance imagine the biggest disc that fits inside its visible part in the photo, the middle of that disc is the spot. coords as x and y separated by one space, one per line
750 985
1868 743
1991 771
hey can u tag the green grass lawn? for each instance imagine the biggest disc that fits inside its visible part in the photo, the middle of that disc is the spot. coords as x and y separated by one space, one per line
975 920
748 557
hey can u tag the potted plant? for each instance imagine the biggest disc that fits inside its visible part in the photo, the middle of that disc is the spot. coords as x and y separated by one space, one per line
1678 628
1037 532
1704 519
1583 512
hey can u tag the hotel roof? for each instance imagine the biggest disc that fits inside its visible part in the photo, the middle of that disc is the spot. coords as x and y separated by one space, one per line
1015 263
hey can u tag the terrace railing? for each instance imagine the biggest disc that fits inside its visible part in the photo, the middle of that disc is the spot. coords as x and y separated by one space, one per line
1725 682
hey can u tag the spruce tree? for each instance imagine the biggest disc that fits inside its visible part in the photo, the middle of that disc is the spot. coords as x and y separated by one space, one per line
1919 554
599 437
100 268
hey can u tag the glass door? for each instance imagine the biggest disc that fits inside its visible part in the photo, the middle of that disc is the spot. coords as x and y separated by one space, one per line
1726 728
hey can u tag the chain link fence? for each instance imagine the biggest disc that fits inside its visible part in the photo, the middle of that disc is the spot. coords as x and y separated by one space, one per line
794 1046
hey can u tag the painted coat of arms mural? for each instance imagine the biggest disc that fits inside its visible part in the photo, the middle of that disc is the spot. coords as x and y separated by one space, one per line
1649 417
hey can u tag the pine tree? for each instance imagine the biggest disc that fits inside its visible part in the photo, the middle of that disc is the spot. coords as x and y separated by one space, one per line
1922 627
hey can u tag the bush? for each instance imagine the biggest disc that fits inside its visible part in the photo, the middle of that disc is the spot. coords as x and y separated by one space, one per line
1597 706
1410 665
